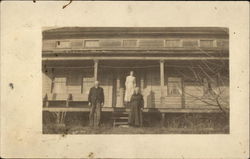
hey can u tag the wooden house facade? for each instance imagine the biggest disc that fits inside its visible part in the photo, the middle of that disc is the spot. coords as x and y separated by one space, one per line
174 67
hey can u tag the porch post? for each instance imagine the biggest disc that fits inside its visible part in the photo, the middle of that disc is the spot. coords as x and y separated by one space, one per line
118 90
142 82
95 69
162 81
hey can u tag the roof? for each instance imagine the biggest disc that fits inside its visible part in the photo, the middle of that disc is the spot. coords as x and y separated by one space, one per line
132 31
140 29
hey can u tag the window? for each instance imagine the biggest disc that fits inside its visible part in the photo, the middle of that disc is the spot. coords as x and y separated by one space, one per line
91 43
172 43
59 85
190 43
110 43
129 43
74 83
151 43
63 44
206 43
174 86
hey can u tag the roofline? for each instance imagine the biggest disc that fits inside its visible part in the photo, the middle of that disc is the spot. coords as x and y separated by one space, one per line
93 31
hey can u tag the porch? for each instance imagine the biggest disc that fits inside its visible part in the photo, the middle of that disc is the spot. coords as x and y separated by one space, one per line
67 82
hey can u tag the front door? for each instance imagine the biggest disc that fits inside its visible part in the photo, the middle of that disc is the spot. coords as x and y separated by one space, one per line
120 88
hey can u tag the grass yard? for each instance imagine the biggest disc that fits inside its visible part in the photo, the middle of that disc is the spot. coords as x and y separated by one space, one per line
54 129
77 123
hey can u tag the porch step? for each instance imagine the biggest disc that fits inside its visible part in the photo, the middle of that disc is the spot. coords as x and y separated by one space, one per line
121 123
120 119
126 113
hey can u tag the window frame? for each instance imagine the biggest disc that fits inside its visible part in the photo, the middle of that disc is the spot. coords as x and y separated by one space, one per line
179 82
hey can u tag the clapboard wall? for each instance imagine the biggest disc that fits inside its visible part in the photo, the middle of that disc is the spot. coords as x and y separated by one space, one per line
79 81
152 92
76 82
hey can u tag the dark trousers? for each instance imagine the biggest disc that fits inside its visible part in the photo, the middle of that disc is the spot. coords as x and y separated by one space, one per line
95 114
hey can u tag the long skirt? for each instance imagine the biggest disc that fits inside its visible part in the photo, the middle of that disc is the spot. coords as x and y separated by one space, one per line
135 116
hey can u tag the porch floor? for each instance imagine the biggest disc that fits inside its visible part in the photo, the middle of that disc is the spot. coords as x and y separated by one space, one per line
112 109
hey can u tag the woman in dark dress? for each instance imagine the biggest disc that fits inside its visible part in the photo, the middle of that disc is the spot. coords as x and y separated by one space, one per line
136 106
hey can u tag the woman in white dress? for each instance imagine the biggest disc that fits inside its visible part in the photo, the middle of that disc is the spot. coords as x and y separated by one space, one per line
130 86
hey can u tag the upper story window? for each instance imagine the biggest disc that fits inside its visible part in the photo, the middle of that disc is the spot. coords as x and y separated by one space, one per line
151 43
129 43
190 43
91 43
173 43
207 43
110 43
63 44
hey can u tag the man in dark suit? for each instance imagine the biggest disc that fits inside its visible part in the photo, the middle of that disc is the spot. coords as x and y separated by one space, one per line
96 101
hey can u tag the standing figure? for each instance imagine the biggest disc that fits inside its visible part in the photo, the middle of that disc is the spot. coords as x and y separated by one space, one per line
136 106
96 101
130 86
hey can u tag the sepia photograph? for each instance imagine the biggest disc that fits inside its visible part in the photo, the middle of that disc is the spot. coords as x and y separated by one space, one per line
124 79
135 80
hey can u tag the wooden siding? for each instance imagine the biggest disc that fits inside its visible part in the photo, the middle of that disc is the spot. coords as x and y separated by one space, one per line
195 97
46 83
87 83
77 44
78 83
152 91
106 82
